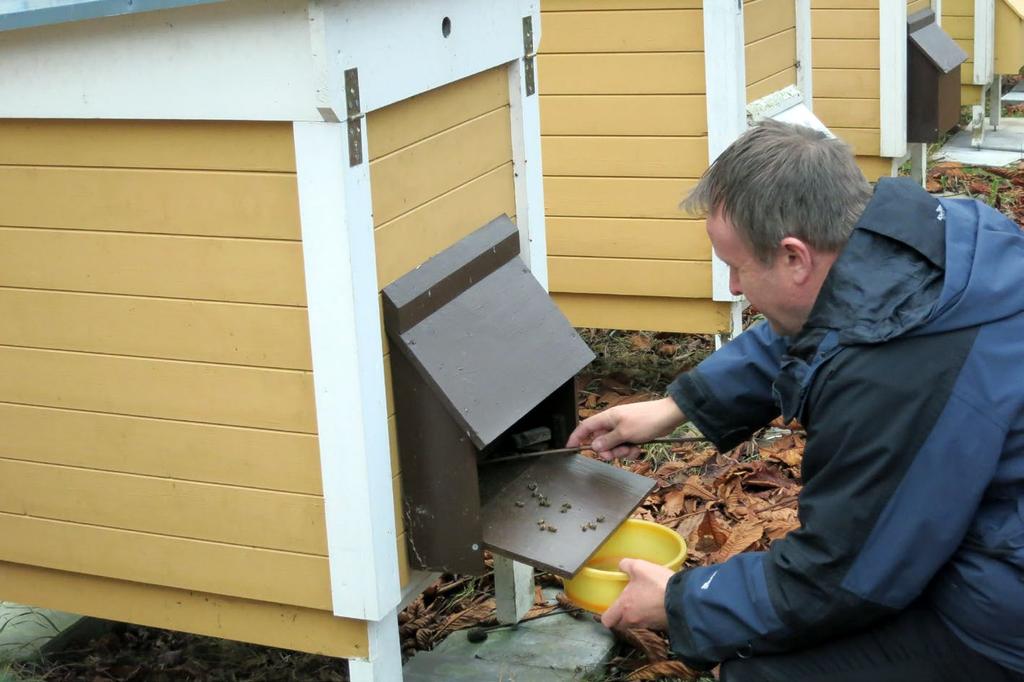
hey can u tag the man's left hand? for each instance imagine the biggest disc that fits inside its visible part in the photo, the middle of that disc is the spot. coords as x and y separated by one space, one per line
642 603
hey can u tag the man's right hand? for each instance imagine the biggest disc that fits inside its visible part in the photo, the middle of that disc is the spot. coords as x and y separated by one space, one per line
612 432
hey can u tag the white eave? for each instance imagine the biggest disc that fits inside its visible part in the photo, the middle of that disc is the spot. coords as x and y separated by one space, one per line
15 14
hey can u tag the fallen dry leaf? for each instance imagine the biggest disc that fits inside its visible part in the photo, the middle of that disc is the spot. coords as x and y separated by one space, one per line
640 342
663 669
741 537
673 503
652 644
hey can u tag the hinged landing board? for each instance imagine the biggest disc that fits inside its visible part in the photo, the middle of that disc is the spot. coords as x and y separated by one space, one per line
482 353
599 494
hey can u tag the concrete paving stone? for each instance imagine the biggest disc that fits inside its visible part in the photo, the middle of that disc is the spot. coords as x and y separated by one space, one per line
556 649
451 668
1016 95
999 147
25 631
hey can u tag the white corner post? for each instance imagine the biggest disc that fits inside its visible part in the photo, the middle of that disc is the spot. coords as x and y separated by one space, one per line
984 41
524 110
384 660
348 369
918 162
892 44
937 8
513 581
804 76
725 76
984 64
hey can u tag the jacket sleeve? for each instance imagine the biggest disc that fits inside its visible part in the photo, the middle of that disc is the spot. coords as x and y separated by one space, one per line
729 395
897 460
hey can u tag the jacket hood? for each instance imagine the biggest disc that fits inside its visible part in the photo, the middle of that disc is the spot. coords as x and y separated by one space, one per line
915 264
919 264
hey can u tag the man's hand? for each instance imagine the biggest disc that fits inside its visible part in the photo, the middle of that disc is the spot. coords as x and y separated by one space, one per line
642 603
634 423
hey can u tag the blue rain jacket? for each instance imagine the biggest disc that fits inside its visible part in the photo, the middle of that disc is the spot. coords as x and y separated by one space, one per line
909 378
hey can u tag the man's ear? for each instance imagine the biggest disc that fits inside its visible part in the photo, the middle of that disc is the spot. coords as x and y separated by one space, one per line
798 259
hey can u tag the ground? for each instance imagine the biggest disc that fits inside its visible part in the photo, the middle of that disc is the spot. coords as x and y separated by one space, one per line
722 503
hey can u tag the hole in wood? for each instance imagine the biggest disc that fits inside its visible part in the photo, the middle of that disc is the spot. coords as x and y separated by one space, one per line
446 27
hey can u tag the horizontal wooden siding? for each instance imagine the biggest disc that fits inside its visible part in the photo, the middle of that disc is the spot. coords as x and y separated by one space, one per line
156 393
846 59
624 133
769 33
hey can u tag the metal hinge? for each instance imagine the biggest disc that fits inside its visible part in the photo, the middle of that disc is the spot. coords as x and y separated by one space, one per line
354 117
528 56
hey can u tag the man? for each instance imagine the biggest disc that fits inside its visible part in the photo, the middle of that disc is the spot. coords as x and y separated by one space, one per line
895 334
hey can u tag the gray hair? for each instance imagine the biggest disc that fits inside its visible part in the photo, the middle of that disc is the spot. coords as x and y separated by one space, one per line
779 180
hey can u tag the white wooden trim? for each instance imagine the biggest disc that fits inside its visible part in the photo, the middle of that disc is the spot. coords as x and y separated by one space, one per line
526 157
725 76
227 60
271 60
384 662
31 13
937 8
984 41
892 32
348 371
400 50
804 74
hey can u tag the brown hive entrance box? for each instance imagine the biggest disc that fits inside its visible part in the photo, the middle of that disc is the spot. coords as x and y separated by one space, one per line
933 75
483 358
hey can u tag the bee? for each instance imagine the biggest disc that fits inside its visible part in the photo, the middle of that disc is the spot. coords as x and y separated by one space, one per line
583 528
541 522
552 529
592 526
520 503
600 519
566 506
531 486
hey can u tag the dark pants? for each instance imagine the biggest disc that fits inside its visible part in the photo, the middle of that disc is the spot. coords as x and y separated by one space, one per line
914 646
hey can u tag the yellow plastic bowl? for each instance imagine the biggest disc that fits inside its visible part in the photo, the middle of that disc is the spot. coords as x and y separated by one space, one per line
600 582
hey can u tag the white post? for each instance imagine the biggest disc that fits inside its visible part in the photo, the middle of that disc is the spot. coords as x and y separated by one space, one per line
725 82
524 109
348 370
384 660
919 162
984 41
803 52
513 589
978 120
995 101
513 581
892 45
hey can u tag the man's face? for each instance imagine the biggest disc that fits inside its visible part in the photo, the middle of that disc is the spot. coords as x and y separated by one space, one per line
767 287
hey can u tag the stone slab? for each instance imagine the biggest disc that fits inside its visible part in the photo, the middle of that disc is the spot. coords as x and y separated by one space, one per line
552 649
25 632
1016 95
999 147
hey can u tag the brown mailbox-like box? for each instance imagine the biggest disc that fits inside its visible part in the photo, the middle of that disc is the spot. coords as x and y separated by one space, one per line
484 356
933 75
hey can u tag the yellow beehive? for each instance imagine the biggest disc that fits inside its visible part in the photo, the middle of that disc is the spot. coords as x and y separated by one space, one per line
849 59
194 387
625 118
999 32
